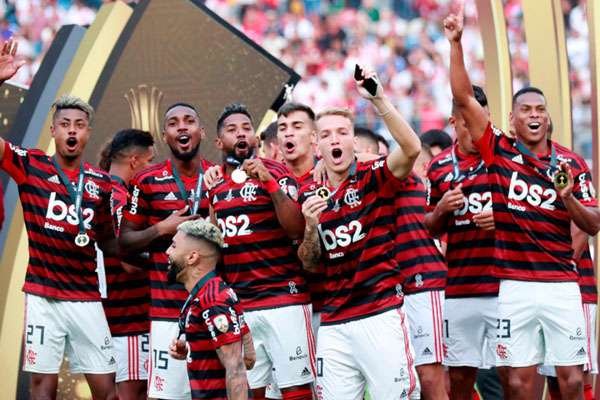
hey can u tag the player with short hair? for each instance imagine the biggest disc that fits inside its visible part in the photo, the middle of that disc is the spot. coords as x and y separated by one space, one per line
350 233
437 140
253 204
366 141
269 144
211 319
384 146
538 188
66 207
163 196
128 293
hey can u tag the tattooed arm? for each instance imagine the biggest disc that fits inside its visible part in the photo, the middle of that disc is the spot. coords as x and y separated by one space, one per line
309 251
235 371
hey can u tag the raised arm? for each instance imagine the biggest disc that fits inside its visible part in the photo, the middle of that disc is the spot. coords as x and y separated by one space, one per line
401 160
235 371
475 116
9 65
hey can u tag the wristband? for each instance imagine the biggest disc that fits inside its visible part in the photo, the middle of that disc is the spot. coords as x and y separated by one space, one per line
272 186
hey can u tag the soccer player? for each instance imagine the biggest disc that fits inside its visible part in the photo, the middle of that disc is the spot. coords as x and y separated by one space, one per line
366 141
350 232
254 207
128 300
384 146
460 205
211 318
66 206
437 140
269 143
538 187
163 196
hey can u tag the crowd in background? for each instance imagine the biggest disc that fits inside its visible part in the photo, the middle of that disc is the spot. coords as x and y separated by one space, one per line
323 39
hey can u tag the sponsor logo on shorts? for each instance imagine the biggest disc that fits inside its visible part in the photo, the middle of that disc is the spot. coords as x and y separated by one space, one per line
401 376
159 383
299 354
31 357
420 334
578 335
502 351
107 344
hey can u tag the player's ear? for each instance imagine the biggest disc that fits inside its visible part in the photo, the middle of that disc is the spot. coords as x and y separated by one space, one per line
219 142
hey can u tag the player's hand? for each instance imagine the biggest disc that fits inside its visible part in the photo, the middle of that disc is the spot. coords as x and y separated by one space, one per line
249 351
567 190
454 23
168 226
312 209
485 220
255 168
178 349
212 176
9 62
319 172
369 73
452 200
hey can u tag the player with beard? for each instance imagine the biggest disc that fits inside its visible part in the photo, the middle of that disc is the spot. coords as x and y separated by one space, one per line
538 189
350 233
211 319
254 207
163 196
66 207
128 292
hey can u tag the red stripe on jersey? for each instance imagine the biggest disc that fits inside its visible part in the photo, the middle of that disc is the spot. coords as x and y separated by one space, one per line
533 237
587 278
357 233
154 196
214 319
128 302
422 267
259 260
58 268
470 251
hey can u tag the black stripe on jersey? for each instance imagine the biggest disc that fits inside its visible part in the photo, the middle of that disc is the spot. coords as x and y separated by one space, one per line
166 303
482 244
64 270
536 266
471 280
425 259
523 246
128 319
79 286
206 374
273 262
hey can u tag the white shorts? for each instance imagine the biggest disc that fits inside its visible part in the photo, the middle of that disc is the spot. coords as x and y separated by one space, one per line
131 353
470 329
591 365
284 344
373 352
540 322
77 329
167 377
425 319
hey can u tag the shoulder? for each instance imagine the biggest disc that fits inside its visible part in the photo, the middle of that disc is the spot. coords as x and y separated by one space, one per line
206 164
151 172
275 167
567 155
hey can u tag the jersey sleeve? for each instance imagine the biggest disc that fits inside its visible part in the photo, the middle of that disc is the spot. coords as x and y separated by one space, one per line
15 162
583 189
489 144
379 177
432 191
136 210
103 223
223 323
286 181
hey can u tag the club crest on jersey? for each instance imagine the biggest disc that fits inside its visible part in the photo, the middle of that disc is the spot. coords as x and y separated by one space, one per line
221 323
293 289
92 189
248 192
352 198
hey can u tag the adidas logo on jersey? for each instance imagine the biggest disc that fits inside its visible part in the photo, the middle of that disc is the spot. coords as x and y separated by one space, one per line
54 179
581 352
170 196
305 372
518 159
427 352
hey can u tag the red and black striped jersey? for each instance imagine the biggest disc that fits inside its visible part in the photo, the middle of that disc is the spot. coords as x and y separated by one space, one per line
154 196
587 278
214 319
259 259
470 250
58 268
128 296
357 233
533 235
422 267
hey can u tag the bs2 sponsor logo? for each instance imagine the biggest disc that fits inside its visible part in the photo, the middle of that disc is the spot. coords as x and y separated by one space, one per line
59 211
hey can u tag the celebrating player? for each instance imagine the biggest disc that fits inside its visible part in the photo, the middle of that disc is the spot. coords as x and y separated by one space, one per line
128 300
162 197
211 318
66 205
538 187
351 217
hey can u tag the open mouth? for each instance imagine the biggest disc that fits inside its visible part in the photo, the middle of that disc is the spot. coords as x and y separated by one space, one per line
289 147
534 126
241 145
71 143
183 139
336 154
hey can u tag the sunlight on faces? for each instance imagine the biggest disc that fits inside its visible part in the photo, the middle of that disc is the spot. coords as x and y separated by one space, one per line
71 131
335 140
182 132
295 135
529 118
237 136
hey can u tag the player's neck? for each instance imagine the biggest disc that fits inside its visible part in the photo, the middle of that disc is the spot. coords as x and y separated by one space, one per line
187 167
335 179
121 171
301 165
196 274
67 163
538 148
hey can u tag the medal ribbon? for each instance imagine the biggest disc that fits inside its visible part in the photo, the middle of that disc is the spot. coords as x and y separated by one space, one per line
197 287
76 196
553 159
457 176
197 193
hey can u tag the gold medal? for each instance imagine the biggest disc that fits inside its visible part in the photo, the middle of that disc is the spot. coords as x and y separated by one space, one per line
82 239
239 176
323 193
561 179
